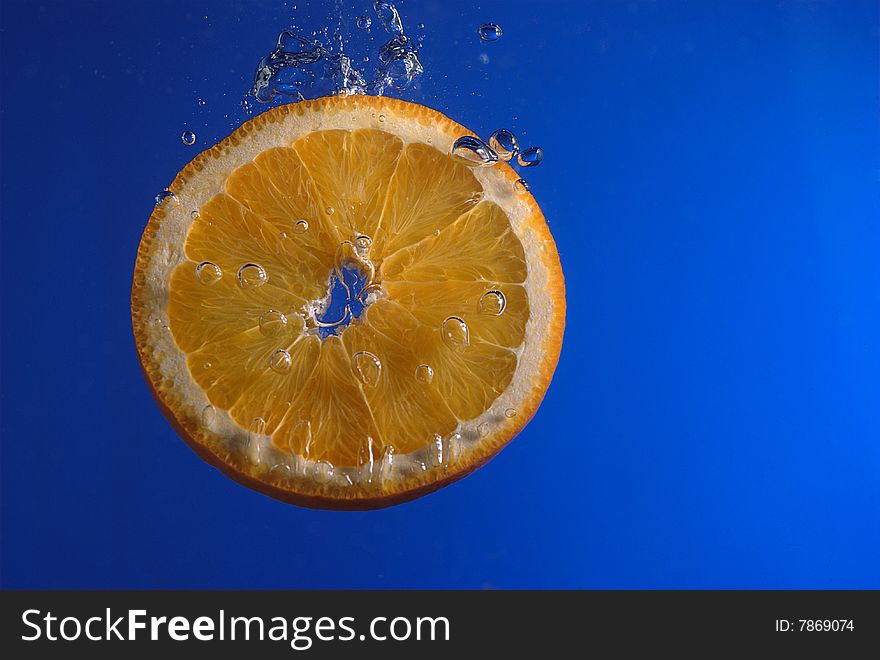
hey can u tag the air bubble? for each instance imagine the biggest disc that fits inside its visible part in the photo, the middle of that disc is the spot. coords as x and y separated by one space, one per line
300 226
368 368
188 138
424 374
251 276
473 151
324 471
366 459
363 245
530 157
166 199
388 16
382 118
483 429
364 22
493 303
254 442
208 273
300 435
455 333
280 361
490 32
387 464
272 323
329 210
195 215
510 413
521 186
504 143
208 414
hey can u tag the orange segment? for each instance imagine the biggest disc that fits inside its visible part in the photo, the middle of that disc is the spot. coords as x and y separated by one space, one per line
279 190
409 413
431 305
231 236
203 313
333 407
428 191
459 252
351 171
268 400
227 368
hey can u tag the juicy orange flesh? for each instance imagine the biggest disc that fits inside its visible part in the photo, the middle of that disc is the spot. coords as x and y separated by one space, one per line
437 249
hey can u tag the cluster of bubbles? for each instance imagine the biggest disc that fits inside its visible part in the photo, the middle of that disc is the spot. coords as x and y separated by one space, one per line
298 61
502 145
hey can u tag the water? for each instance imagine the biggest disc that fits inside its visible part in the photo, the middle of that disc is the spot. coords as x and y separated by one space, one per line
715 401
300 66
504 143
208 273
490 32
473 151
530 157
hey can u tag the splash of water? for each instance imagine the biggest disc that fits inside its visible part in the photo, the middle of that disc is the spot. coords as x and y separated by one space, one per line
298 63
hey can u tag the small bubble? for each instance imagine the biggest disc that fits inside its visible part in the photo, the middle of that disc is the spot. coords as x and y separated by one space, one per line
382 118
510 413
521 186
387 464
252 275
424 374
421 26
530 157
504 143
280 361
167 199
208 273
493 303
364 22
473 151
365 458
282 235
436 232
208 413
188 138
300 226
455 333
202 102
483 429
388 16
483 58
300 436
489 32
324 472
363 244
368 368
272 323
195 215
329 210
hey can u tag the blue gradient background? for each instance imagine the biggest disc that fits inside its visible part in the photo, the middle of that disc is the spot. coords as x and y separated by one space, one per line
712 177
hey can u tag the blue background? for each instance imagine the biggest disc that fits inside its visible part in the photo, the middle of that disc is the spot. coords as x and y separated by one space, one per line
712 177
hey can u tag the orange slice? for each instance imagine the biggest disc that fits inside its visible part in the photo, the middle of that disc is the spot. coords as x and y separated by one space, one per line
451 285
